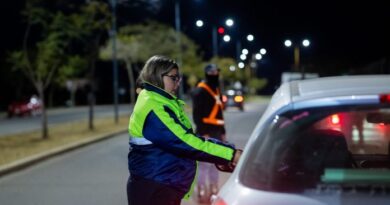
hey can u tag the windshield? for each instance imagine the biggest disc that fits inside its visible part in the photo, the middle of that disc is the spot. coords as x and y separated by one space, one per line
307 149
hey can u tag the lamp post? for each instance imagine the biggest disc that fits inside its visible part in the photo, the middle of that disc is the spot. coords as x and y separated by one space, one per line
114 60
177 27
178 41
297 67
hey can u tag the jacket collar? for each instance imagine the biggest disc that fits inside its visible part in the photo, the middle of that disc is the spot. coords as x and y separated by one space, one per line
150 87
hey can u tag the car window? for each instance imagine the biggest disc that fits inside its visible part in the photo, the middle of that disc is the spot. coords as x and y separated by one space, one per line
307 149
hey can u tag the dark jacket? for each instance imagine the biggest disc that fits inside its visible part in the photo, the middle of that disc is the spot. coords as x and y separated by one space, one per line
203 103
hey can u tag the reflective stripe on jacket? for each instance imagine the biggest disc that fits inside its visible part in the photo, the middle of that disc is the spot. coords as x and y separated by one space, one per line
212 118
163 145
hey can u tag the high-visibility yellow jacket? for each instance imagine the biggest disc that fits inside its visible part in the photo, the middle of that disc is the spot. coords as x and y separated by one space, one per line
163 146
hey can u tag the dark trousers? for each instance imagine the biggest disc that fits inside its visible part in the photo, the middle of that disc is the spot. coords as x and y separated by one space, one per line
142 191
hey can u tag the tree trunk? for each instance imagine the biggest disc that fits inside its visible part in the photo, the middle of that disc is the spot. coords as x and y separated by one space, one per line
91 96
91 101
41 93
131 81
92 86
73 95
50 97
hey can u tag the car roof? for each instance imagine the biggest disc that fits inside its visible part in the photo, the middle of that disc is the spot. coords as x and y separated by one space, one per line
339 86
301 91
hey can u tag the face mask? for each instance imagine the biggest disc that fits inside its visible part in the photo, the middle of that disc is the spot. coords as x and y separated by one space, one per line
212 80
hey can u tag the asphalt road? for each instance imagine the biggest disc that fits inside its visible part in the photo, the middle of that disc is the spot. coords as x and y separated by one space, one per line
24 124
97 174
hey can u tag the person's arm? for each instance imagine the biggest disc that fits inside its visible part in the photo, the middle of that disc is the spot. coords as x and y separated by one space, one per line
164 129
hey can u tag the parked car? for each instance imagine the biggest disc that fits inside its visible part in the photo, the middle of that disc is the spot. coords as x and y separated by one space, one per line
320 141
30 106
233 98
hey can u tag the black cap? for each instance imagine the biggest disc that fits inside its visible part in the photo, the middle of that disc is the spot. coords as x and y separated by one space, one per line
210 68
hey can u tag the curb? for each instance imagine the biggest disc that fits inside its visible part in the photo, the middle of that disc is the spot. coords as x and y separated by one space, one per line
29 161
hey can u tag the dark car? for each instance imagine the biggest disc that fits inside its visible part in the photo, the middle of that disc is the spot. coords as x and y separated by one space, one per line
233 98
27 107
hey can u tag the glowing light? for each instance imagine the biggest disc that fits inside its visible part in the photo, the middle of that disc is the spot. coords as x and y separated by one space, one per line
287 43
250 37
335 119
221 30
199 23
229 22
306 43
241 65
258 56
226 38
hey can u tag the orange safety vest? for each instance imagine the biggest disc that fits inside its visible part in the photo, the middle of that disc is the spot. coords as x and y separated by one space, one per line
211 119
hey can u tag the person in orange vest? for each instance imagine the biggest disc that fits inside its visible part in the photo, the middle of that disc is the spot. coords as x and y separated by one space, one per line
209 121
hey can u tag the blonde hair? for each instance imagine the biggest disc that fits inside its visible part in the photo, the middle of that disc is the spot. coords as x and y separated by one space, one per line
155 68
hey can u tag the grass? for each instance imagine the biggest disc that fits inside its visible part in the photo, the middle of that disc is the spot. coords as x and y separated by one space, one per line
18 146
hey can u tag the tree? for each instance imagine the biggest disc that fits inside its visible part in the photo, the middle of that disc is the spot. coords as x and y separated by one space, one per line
92 21
44 47
255 84
137 43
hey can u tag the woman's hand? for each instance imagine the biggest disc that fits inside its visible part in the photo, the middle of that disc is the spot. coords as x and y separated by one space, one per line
231 165
236 158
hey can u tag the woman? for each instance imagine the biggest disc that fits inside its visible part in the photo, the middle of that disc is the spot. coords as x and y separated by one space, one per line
163 147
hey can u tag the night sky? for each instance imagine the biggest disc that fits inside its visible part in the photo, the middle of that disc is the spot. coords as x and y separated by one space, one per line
351 35
344 37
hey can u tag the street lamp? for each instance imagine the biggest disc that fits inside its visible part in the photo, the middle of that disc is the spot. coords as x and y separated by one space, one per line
297 67
249 38
226 38
263 51
252 61
229 23
199 23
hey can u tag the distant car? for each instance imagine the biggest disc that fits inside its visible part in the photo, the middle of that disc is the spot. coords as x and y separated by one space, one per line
233 98
321 141
30 106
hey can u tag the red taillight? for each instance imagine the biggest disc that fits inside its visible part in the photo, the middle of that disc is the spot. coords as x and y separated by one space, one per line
224 98
238 98
335 119
384 98
216 200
